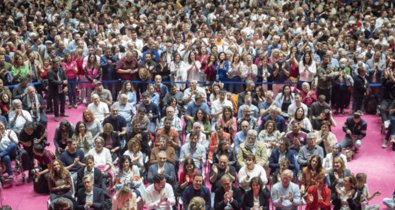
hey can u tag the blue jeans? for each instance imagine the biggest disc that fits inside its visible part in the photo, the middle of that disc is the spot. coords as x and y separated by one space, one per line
391 128
72 86
347 141
6 156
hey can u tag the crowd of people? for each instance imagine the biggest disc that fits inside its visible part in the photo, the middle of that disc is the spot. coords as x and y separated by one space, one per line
242 94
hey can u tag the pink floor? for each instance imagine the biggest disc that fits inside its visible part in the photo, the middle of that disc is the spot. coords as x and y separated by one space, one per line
378 163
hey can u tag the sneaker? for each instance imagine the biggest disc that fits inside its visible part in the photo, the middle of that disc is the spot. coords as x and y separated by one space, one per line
387 124
10 177
393 138
64 115
385 143
56 119
75 106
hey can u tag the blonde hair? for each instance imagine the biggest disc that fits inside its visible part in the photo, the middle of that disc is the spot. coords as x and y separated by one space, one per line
197 203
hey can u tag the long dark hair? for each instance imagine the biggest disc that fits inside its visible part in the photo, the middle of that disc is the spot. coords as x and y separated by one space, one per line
319 163
304 58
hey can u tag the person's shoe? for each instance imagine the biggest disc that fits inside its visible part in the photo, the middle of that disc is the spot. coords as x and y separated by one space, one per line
70 106
75 106
385 143
30 179
56 119
49 112
336 112
10 177
64 115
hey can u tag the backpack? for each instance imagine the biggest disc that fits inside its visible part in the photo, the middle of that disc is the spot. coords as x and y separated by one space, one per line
371 104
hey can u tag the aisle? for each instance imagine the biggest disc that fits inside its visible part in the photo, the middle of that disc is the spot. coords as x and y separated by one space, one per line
378 163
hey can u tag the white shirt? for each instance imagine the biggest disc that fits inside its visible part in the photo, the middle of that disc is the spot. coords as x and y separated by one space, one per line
7 138
218 106
249 72
20 120
153 198
245 182
102 158
100 111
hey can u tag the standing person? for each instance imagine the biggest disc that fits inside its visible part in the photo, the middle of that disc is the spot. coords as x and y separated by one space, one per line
107 65
57 88
221 68
92 73
325 76
71 70
359 89
286 194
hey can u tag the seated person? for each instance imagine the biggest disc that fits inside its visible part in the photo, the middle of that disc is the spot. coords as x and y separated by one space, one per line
355 129
219 170
33 103
89 169
102 156
195 151
125 109
318 195
135 154
118 127
143 137
224 148
310 173
327 163
202 138
301 118
318 113
276 117
249 171
152 110
216 137
187 174
256 198
325 138
194 106
8 148
63 132
202 118
124 199
142 118
175 120
241 135
173 135
44 160
99 109
337 174
83 136
59 182
227 194
160 194
253 122
104 94
286 194
269 136
163 146
18 117
111 140
197 189
248 104
363 191
310 149
296 137
390 202
281 152
345 194
129 176
162 167
91 197
72 158
252 147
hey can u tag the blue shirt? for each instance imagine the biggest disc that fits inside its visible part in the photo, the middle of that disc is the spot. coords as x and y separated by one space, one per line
193 108
240 137
68 159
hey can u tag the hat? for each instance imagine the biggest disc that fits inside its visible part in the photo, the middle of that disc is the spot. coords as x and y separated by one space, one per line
48 42
358 114
97 82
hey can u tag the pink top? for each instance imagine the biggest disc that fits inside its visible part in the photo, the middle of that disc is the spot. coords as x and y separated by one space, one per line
69 69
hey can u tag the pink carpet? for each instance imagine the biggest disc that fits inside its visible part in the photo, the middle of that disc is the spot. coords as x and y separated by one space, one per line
378 163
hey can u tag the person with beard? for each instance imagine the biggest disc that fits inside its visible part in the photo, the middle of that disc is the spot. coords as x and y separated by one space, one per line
57 87
325 79
33 102
170 132
152 111
108 66
195 151
252 147
137 132
162 167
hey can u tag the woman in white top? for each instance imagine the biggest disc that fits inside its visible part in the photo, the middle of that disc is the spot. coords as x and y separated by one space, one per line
135 154
18 117
249 71
270 136
304 122
326 138
234 74
307 68
101 155
178 71
328 161
249 171
8 144
193 68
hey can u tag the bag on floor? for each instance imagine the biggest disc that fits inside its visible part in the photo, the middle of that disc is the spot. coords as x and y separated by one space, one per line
41 185
348 153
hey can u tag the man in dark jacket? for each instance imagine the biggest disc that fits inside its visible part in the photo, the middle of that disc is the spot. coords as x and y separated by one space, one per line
355 129
57 87
360 87
92 197
227 196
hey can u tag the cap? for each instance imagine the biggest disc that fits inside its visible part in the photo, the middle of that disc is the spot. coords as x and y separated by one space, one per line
358 114
97 82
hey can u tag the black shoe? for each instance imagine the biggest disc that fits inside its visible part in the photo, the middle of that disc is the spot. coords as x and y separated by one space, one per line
49 112
30 179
